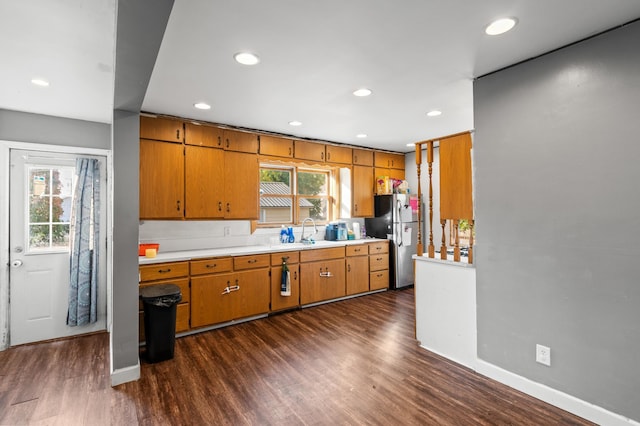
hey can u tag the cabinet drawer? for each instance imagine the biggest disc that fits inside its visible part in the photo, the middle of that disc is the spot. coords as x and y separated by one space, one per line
251 262
378 262
162 271
357 250
211 266
381 247
183 283
379 280
322 254
293 257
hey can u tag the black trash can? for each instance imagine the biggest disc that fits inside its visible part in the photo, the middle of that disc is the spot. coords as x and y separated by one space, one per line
160 320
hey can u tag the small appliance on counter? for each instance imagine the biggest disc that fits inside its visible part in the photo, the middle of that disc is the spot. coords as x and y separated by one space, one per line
336 231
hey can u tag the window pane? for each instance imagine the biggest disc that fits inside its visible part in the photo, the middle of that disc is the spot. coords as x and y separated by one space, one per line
39 208
60 236
310 183
276 200
38 236
38 181
315 208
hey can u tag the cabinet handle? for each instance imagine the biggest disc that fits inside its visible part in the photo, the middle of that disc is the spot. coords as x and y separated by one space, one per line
355 158
295 275
164 271
215 265
349 267
290 152
178 205
227 142
357 250
252 260
328 156
228 289
219 206
219 141
178 134
356 208
228 207
379 275
322 156
378 258
326 273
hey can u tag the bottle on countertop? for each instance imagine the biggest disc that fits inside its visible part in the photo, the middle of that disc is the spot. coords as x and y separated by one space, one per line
284 236
291 237
363 230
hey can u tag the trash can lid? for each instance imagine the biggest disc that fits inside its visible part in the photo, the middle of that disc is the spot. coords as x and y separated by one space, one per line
159 290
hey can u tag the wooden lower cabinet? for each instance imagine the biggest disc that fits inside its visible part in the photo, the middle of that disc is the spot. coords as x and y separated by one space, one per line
225 297
357 274
322 280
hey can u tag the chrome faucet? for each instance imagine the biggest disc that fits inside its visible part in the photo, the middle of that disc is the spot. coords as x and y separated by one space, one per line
308 239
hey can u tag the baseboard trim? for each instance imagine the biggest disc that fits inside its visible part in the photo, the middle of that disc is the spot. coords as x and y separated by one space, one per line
554 397
124 375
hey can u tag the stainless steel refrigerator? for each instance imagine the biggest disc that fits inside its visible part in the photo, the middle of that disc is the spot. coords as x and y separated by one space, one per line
397 221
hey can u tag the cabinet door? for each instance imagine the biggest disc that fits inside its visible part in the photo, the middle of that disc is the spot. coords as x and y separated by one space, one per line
309 151
240 141
161 129
279 302
210 303
363 157
202 135
362 191
253 296
241 186
389 160
357 274
161 180
338 154
322 280
204 182
277 147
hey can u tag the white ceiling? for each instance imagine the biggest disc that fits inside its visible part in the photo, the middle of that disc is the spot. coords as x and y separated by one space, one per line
416 55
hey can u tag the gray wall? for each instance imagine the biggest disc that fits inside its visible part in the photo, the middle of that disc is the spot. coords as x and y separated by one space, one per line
35 128
140 28
556 152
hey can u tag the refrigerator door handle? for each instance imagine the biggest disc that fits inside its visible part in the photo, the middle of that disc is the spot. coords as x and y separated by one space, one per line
399 223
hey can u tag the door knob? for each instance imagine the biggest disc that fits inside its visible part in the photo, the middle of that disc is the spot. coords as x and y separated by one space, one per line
16 263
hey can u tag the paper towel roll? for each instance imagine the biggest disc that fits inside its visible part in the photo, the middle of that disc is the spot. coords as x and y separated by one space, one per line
356 230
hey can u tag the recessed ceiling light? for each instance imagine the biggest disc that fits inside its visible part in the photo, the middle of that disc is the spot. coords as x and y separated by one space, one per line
434 113
39 82
202 105
500 26
411 144
361 135
246 58
362 92
295 123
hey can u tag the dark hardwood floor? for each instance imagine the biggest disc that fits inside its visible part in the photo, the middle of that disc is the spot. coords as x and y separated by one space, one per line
353 362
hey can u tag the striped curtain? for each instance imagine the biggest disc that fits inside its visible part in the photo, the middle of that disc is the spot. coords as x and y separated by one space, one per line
85 237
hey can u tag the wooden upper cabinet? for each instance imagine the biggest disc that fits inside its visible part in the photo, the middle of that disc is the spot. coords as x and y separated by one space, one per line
161 129
203 135
241 185
389 160
309 151
161 180
275 146
362 157
362 191
204 182
240 141
339 154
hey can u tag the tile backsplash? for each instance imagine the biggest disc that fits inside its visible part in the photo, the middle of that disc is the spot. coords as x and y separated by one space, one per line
205 234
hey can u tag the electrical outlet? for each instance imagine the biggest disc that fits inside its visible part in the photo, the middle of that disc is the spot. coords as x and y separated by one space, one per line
227 231
543 355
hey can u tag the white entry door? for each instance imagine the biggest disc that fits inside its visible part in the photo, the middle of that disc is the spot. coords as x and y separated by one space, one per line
40 199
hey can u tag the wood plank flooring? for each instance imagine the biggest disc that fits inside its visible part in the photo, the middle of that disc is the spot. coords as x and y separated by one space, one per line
353 362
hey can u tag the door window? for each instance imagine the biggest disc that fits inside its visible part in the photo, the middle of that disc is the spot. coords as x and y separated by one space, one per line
49 198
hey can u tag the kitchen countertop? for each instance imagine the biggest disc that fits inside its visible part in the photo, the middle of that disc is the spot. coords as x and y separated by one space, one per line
175 256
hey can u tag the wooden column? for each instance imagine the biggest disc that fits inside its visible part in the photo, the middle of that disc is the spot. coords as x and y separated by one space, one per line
431 248
471 230
456 239
419 245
